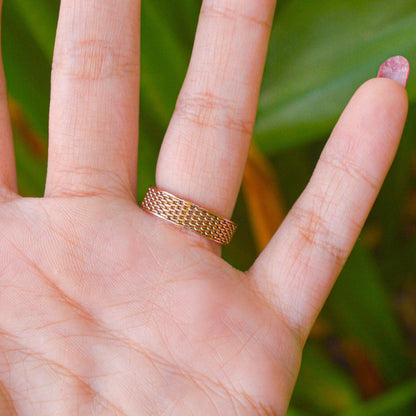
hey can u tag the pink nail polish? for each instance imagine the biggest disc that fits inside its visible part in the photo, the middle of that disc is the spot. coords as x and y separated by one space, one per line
396 68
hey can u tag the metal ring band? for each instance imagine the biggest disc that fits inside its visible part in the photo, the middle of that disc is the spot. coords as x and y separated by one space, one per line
187 215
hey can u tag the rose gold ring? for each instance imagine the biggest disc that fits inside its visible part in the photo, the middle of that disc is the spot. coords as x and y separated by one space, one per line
187 215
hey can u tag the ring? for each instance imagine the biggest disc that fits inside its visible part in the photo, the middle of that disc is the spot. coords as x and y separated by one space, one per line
187 215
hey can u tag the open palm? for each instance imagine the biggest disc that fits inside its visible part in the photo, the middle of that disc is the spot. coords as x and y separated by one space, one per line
108 310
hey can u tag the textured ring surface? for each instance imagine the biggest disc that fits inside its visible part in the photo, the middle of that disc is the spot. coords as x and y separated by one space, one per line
187 215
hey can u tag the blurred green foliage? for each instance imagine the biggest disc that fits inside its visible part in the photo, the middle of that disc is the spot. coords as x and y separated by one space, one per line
361 358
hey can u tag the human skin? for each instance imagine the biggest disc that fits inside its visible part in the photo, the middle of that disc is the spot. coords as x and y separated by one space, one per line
108 310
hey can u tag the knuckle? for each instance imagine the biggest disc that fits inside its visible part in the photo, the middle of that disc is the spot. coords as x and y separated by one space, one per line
314 230
88 182
93 60
351 168
209 110
251 12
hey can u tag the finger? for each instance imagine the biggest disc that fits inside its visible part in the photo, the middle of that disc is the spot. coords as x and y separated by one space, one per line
95 99
8 181
298 268
205 148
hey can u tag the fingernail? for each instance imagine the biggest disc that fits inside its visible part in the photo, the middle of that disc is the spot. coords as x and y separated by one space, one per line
396 68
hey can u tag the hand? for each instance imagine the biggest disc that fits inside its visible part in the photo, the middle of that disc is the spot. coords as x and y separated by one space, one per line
108 310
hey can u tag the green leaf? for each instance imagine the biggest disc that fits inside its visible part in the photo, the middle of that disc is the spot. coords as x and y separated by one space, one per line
26 67
296 412
31 169
399 401
147 165
40 17
360 308
391 201
320 52
164 60
241 252
322 387
167 34
390 216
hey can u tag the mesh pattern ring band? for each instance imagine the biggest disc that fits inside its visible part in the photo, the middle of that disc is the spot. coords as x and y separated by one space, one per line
187 215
